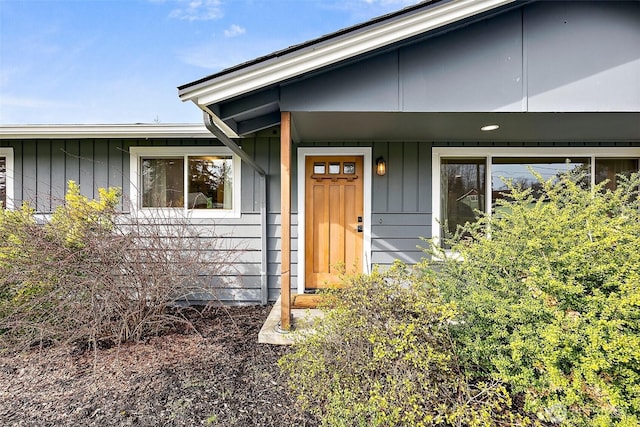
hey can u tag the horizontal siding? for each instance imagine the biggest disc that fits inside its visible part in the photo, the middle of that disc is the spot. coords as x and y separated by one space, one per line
398 237
396 245
242 241
401 200
44 166
274 254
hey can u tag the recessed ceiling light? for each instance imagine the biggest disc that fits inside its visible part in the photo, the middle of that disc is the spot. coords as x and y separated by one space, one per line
488 128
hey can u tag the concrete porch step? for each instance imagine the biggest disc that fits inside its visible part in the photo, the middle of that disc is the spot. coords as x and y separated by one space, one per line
301 322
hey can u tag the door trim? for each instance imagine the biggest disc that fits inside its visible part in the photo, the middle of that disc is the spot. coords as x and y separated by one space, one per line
303 153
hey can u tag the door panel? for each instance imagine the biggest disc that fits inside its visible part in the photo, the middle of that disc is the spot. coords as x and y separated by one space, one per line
333 206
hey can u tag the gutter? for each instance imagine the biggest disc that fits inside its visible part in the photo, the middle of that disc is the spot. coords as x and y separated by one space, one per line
211 126
84 131
334 48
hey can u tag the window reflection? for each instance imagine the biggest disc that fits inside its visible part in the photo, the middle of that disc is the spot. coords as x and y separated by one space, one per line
463 192
609 169
463 188
163 183
210 182
517 172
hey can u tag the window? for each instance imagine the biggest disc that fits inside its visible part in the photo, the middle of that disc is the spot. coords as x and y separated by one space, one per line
517 171
609 169
6 177
463 191
199 181
467 180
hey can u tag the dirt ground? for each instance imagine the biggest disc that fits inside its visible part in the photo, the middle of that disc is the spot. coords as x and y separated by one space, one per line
218 377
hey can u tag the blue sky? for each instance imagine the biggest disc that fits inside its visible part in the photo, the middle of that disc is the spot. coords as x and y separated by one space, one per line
120 61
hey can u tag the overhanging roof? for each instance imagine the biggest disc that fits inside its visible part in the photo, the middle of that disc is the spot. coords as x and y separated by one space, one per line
83 131
271 70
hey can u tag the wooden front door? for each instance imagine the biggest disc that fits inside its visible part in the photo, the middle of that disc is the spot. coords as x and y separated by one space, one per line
333 218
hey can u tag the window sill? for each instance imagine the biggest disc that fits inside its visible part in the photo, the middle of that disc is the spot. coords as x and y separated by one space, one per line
181 213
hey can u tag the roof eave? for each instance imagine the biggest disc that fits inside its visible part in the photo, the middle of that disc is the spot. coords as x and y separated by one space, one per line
104 131
331 51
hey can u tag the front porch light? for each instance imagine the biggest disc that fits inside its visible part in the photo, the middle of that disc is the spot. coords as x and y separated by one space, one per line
381 166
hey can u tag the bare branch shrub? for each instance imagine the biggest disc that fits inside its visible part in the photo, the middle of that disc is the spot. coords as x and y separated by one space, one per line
93 276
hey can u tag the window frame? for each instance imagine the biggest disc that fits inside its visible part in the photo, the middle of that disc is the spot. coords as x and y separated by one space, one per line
138 153
7 153
488 153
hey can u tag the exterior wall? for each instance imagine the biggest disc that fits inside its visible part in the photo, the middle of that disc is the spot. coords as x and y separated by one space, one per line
542 57
401 200
44 166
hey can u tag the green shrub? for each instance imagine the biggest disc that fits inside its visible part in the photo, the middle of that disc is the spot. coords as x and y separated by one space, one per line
92 276
549 296
79 216
382 356
16 230
47 287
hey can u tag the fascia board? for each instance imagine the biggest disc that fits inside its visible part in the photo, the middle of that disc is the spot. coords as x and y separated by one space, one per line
333 51
104 131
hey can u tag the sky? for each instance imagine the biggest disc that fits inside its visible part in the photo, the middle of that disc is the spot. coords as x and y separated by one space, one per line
120 61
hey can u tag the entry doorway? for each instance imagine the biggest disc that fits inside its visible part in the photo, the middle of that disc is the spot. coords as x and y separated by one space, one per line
334 228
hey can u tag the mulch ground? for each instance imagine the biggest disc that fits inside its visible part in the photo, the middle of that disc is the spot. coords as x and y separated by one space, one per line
219 376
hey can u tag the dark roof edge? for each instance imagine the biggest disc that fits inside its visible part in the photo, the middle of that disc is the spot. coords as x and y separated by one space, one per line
303 45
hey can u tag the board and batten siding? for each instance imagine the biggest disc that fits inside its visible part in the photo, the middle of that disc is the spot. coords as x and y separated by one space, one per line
400 200
401 212
544 56
44 166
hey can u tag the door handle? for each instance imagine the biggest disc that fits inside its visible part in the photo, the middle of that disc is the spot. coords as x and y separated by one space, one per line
359 228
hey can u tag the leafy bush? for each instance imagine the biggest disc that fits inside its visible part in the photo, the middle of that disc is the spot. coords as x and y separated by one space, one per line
550 300
92 275
15 226
73 222
382 356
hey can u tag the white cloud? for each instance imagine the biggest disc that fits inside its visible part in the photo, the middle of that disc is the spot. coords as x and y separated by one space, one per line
234 30
7 74
26 102
26 109
219 54
197 10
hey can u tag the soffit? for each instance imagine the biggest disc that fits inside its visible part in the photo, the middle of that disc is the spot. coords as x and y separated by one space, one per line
458 127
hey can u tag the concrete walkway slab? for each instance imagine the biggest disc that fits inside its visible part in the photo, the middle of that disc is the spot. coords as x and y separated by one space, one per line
302 322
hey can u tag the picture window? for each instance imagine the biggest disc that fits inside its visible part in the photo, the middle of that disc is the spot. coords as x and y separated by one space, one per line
200 181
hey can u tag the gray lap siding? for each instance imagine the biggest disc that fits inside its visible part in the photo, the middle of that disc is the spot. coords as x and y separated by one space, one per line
400 200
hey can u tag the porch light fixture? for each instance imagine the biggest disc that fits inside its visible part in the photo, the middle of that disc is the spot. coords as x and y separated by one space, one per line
381 166
489 128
